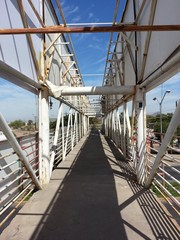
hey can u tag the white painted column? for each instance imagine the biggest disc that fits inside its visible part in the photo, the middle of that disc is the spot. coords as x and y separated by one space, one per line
80 125
67 132
110 124
76 126
88 123
140 113
72 143
62 130
113 127
85 119
55 137
124 128
106 125
119 129
44 158
84 124
128 133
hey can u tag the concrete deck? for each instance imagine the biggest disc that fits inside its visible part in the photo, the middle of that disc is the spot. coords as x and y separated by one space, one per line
93 195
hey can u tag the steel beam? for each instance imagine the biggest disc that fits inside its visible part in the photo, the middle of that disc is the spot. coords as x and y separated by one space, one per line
58 91
12 75
85 29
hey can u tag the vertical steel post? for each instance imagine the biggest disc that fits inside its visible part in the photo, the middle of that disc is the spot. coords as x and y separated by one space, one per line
118 128
124 128
76 127
80 125
67 132
105 125
44 158
113 127
55 137
62 130
128 131
141 134
110 124
72 145
121 133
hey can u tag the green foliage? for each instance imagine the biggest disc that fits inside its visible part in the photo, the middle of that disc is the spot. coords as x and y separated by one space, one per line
30 122
169 188
155 122
17 124
94 121
52 124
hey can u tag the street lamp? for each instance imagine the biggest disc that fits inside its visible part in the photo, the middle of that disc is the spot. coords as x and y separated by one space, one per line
160 107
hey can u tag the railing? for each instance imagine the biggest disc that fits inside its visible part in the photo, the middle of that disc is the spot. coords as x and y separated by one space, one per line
15 183
65 143
166 181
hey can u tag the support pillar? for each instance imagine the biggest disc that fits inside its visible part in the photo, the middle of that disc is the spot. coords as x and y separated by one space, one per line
140 120
44 158
124 129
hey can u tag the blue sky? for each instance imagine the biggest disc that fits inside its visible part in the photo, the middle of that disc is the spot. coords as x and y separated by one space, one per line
90 48
91 52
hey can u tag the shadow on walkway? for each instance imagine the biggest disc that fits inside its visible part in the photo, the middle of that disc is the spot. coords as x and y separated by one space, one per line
93 197
85 205
159 221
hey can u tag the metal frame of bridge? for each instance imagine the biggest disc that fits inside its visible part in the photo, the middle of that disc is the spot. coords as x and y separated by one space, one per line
129 74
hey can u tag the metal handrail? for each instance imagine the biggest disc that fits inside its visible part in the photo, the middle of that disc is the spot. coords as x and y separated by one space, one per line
161 187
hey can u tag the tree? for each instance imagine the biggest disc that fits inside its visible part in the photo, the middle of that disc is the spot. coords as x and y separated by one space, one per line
17 124
52 124
30 122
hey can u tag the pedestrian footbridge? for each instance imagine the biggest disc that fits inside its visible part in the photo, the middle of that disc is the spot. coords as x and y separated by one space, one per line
93 194
94 169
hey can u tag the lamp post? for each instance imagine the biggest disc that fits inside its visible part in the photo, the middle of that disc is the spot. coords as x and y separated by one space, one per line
160 108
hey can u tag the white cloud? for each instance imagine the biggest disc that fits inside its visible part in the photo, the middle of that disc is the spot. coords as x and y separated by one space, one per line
101 60
74 10
63 3
97 46
76 19
96 39
90 15
69 10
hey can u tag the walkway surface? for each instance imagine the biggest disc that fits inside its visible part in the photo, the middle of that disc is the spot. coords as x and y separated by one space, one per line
93 195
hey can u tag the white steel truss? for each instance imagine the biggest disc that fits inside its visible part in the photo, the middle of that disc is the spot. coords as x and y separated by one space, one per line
43 61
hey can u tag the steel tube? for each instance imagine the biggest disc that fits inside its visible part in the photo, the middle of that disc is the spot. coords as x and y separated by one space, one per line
12 140
105 90
168 69
18 78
